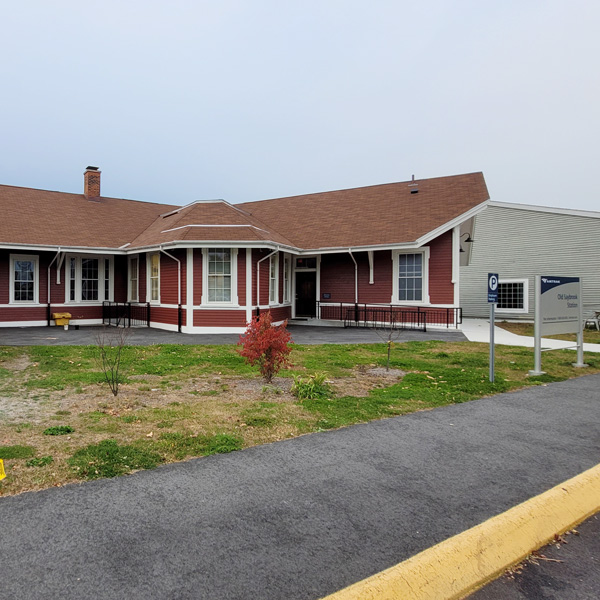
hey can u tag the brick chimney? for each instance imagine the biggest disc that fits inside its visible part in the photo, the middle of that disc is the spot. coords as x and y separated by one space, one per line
91 182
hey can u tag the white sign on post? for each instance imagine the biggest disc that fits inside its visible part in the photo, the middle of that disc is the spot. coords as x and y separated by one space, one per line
558 309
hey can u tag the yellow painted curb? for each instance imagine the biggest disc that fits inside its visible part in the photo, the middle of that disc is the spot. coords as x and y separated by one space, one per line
461 564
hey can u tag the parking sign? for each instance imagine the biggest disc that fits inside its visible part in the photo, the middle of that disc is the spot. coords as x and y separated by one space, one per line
493 287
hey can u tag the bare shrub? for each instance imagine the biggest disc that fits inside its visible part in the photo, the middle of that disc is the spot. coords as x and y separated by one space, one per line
110 342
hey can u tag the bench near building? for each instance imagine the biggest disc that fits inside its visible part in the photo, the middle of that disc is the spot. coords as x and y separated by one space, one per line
209 266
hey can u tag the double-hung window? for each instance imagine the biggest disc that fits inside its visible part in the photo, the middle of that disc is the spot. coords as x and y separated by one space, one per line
134 274
154 277
287 279
89 278
274 279
24 280
219 275
410 277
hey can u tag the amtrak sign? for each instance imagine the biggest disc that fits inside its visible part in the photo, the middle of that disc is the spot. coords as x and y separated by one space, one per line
560 305
558 309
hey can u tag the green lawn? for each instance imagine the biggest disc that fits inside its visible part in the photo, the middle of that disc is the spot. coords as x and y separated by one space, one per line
59 423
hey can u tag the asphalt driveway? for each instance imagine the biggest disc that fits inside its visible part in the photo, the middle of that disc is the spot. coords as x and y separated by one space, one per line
301 518
143 336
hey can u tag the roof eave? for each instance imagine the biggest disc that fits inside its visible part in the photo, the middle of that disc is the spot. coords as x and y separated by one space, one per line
428 237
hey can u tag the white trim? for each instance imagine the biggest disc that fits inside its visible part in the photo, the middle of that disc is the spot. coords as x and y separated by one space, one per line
55 248
78 279
137 278
233 277
8 324
548 209
371 267
456 264
149 278
83 322
274 282
516 311
35 259
451 224
395 283
167 326
287 284
214 330
248 285
189 287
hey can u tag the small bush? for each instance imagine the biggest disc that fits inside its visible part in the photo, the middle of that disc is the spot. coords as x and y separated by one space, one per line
42 461
59 430
311 388
108 459
266 345
8 452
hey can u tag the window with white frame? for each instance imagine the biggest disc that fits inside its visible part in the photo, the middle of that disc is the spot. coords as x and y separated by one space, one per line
287 278
154 277
134 274
89 278
513 296
274 279
220 273
24 279
411 277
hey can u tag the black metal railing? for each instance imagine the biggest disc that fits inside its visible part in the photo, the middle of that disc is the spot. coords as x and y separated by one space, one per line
406 317
126 314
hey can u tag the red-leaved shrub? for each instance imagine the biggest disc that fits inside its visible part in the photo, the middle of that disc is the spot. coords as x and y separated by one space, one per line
266 345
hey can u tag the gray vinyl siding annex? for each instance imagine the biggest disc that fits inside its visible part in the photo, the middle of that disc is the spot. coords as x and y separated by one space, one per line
518 242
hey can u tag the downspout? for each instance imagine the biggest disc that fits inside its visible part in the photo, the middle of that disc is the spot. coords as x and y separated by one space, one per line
160 248
258 276
49 266
355 286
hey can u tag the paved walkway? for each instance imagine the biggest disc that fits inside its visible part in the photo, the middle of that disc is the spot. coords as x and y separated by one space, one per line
301 518
478 330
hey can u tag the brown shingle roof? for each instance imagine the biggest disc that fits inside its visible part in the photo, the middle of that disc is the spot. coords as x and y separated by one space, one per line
41 217
207 221
379 214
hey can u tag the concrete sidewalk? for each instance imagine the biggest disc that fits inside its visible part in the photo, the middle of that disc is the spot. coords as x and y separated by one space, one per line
302 518
478 330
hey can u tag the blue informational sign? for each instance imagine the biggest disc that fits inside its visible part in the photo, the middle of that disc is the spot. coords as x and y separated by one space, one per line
493 287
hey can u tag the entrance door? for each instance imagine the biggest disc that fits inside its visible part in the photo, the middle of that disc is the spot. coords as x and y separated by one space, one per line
306 294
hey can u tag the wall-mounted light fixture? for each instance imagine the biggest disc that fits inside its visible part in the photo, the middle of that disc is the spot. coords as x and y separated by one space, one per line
469 239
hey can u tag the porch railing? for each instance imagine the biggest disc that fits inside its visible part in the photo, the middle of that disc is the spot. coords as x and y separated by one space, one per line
126 314
401 317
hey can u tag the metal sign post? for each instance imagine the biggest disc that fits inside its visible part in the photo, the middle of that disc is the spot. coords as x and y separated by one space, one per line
492 299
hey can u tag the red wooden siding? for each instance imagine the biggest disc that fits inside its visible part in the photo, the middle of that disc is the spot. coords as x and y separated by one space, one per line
264 276
121 278
219 318
241 277
143 284
441 288
197 276
337 278
169 316
169 282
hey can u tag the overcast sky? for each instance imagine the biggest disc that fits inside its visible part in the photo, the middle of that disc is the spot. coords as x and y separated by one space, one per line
177 101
